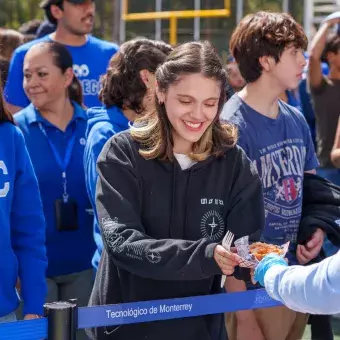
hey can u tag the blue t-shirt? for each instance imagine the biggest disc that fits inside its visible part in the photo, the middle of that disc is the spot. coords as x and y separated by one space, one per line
67 251
282 150
90 62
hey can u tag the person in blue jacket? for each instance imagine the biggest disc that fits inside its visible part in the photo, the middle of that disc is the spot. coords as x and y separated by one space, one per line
54 129
313 289
22 227
126 92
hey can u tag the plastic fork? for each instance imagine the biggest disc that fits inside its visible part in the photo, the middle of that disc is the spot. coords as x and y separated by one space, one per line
226 243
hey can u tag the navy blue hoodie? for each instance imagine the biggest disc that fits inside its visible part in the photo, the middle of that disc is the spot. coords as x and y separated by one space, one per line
22 227
160 225
102 124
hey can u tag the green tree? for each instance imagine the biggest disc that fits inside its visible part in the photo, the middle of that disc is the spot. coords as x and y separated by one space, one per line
13 13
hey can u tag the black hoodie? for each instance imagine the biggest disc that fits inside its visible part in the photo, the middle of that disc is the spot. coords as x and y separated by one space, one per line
160 225
321 209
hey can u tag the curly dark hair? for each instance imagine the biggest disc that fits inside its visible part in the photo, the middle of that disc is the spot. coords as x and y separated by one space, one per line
122 84
264 34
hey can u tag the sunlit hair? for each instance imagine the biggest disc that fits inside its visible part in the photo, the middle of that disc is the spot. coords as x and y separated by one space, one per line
154 131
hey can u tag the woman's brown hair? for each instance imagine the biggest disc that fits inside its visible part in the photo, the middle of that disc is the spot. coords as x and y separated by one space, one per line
154 131
5 116
9 41
122 85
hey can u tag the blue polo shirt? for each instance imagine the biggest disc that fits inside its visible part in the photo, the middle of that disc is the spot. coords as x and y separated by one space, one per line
67 251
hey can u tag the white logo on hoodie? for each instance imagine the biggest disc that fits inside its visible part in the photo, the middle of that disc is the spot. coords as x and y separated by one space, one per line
212 226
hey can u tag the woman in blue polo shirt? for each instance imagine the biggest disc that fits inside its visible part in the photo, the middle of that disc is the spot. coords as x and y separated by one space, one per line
54 128
22 226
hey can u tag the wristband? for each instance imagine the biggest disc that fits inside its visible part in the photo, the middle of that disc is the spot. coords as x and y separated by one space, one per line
269 261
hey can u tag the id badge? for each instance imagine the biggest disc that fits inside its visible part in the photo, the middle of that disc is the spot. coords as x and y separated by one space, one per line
66 215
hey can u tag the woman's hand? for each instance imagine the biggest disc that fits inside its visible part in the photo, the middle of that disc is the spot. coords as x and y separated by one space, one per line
312 249
32 316
226 260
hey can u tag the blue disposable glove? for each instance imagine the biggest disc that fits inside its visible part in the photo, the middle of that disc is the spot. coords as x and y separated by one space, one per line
267 262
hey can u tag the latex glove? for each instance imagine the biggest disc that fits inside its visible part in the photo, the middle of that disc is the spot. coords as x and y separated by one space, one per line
268 262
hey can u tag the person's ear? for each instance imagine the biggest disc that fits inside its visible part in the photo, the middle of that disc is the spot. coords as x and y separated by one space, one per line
160 94
267 63
56 12
147 78
69 75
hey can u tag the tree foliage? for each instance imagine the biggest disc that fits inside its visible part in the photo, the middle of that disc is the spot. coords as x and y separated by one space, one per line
13 13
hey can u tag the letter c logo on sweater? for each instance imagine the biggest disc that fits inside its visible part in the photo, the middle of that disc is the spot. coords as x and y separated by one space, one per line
5 189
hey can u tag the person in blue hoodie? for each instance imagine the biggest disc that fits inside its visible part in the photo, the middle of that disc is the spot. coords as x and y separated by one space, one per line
126 92
54 128
22 227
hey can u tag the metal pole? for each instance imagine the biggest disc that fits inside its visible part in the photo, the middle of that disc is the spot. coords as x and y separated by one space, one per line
239 10
122 26
197 21
158 23
285 6
308 17
62 320
173 31
116 20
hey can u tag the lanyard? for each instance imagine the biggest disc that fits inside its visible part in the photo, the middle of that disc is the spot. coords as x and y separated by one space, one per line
63 164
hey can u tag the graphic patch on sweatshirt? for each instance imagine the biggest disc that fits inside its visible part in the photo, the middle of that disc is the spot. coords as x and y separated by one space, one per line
212 225
117 243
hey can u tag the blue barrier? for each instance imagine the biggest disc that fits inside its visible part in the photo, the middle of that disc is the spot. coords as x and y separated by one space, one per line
24 330
145 311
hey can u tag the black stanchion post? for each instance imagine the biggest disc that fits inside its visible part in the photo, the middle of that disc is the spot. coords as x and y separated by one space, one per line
62 320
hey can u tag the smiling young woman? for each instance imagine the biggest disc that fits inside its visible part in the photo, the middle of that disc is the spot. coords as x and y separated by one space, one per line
189 98
167 192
